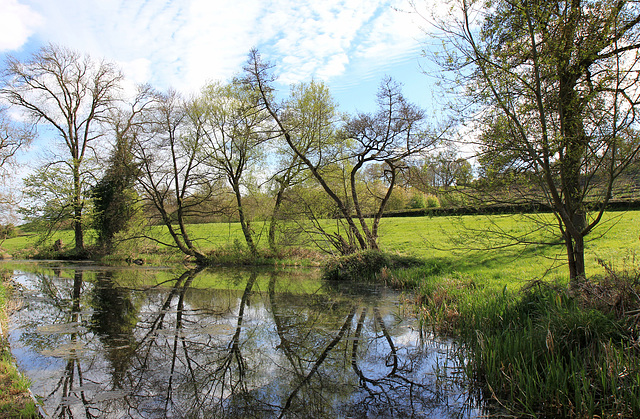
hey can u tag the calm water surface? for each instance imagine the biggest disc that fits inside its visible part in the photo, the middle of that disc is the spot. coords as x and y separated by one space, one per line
103 342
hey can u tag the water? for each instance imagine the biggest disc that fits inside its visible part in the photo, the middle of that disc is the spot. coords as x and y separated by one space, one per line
154 343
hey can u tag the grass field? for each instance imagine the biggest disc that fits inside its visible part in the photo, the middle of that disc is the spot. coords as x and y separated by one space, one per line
465 245
469 246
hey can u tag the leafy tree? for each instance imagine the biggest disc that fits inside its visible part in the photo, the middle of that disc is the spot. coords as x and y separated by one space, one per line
390 135
71 94
114 196
233 133
556 90
310 114
48 203
440 171
289 174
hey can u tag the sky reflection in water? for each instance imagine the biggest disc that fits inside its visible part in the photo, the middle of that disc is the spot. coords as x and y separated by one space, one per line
106 342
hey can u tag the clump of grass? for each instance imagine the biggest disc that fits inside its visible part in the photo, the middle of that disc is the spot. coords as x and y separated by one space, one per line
15 401
547 350
441 301
368 265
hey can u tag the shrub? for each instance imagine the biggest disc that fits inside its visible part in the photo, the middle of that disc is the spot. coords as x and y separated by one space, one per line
368 265
420 201
432 201
7 231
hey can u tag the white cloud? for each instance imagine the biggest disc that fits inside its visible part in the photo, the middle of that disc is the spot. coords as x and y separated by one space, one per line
138 70
393 35
322 39
217 39
311 38
17 23
185 43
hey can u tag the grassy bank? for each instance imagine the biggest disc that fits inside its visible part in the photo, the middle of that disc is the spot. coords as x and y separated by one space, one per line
15 401
545 351
448 245
534 348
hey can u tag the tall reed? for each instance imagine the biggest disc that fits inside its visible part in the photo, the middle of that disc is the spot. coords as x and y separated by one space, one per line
545 350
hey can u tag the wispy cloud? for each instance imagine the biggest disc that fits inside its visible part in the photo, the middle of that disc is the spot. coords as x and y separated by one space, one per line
322 38
184 43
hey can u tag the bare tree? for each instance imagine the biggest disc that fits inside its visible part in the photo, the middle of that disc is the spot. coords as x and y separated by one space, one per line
12 138
170 172
389 136
71 94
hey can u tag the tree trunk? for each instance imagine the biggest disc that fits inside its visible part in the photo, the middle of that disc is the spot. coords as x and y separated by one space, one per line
78 231
371 239
244 224
77 211
376 220
575 249
274 218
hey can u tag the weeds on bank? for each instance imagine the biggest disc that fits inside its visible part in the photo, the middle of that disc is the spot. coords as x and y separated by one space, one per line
547 350
238 254
15 401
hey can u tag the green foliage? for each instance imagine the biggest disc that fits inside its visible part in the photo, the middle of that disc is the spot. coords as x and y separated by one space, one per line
432 201
8 231
451 199
48 194
114 198
114 207
365 265
48 206
417 201
420 200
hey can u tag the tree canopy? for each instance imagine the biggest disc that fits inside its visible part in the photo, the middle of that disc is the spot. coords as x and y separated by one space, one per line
555 89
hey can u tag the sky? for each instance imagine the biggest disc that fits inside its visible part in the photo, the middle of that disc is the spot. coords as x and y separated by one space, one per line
183 44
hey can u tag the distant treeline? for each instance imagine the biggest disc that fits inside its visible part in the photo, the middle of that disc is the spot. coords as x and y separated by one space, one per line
621 205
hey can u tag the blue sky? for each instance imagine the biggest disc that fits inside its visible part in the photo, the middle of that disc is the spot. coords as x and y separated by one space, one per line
349 44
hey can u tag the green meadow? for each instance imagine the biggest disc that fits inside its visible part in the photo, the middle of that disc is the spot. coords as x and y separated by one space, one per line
483 248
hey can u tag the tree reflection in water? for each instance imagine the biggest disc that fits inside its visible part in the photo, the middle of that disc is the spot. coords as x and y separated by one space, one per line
97 348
